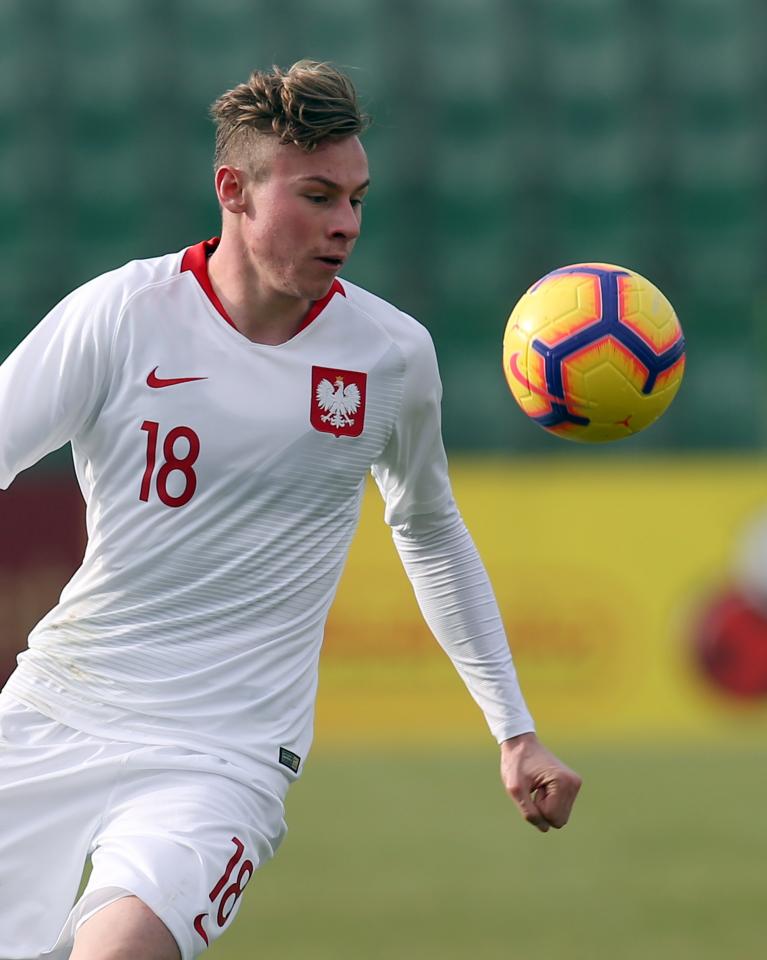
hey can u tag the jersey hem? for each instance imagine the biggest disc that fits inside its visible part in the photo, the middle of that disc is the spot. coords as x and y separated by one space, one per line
255 770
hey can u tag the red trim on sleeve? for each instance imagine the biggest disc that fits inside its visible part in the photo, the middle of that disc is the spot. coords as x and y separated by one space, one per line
196 259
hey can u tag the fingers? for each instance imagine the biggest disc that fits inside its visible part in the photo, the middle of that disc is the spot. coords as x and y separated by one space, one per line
543 788
554 800
528 808
547 804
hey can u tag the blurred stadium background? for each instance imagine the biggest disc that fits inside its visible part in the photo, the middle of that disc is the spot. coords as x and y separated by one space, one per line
510 137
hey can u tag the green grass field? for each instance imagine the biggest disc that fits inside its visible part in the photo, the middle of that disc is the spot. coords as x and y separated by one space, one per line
420 856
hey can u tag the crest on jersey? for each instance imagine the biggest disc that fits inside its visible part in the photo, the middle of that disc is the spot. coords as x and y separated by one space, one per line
338 401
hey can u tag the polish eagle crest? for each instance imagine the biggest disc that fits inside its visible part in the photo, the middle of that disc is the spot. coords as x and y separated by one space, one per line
339 401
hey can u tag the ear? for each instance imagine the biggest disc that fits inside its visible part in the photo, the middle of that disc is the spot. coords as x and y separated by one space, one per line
230 188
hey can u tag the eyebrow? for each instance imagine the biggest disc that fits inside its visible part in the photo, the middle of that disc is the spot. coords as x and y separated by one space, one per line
332 185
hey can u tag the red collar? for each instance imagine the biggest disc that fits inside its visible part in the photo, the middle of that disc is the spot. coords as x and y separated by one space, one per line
196 259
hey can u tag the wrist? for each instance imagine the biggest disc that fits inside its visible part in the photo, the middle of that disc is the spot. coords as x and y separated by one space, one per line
518 741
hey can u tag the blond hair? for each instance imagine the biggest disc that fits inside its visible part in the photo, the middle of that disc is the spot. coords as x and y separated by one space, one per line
305 105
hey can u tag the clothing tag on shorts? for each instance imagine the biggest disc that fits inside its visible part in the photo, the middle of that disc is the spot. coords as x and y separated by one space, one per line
289 759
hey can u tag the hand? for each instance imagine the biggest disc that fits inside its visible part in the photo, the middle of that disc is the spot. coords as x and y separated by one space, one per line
542 787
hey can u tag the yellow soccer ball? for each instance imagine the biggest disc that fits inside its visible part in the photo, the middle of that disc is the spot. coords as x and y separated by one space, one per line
593 352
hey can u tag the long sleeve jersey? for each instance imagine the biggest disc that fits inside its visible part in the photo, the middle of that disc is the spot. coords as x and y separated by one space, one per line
223 481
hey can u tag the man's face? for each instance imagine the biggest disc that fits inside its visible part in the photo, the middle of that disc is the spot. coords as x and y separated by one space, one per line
303 218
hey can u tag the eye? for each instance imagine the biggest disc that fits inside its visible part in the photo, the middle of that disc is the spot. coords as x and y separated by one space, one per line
316 198
358 201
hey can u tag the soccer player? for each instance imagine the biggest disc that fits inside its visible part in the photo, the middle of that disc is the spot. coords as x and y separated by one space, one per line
224 405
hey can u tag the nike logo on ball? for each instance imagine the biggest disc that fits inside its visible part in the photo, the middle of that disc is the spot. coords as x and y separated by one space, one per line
156 382
520 377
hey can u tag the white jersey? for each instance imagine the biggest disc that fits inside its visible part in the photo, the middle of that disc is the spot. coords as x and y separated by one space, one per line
223 481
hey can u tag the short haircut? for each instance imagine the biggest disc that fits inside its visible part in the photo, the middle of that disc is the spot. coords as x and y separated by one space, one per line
310 103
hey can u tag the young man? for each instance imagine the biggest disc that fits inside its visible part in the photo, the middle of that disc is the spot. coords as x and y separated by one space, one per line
224 405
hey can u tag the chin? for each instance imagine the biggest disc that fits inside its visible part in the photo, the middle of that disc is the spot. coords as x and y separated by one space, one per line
316 291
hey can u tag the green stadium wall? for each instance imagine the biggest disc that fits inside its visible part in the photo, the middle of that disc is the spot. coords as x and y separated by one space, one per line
510 137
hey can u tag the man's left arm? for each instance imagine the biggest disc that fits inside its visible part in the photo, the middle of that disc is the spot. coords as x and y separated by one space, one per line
453 589
458 603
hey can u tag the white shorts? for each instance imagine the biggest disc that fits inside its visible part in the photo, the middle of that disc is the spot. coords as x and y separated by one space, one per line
167 825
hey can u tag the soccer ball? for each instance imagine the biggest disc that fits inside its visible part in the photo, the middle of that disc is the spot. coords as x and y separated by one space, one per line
593 352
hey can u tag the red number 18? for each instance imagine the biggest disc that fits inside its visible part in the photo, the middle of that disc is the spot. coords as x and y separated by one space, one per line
229 894
172 463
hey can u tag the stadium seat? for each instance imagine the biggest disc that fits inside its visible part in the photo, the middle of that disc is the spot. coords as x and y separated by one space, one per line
508 139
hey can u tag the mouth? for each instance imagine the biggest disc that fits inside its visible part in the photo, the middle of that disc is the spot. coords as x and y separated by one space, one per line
332 263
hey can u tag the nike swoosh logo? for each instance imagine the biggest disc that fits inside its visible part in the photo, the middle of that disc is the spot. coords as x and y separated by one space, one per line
521 378
156 382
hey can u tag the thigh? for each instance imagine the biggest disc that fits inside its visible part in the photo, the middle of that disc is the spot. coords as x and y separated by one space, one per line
124 930
52 786
186 843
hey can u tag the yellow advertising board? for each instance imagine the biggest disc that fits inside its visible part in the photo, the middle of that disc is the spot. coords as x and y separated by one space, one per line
601 567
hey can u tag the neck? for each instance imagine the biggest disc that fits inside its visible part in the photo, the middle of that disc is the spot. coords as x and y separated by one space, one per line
263 316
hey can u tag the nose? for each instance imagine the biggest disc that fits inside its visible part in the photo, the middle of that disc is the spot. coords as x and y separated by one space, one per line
347 222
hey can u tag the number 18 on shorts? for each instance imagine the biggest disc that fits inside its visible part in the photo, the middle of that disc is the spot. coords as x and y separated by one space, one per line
165 824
